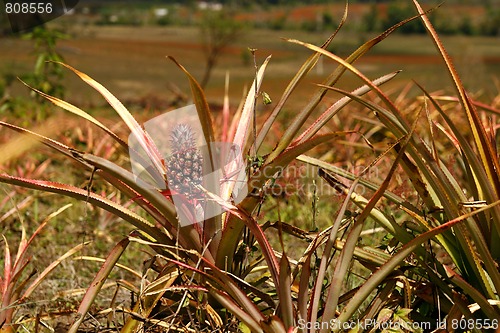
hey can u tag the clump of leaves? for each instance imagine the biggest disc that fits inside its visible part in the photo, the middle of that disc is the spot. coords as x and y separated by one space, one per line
17 283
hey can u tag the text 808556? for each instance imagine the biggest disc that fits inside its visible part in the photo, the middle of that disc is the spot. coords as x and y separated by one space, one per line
28 7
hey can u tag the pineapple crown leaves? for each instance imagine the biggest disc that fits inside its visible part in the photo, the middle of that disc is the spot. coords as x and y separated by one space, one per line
182 138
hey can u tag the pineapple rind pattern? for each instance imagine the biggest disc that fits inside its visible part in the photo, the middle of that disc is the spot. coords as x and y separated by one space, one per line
185 163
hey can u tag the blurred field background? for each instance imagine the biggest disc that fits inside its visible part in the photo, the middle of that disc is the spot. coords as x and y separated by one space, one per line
123 45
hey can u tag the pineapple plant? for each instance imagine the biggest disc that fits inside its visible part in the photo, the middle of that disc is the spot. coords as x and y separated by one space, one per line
185 163
219 289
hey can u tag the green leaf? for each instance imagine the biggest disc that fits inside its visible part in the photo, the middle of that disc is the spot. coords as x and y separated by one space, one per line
484 146
378 276
285 292
242 135
233 227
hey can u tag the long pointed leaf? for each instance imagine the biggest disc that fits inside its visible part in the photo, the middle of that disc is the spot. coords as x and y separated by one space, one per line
16 147
202 107
242 134
225 301
285 293
485 149
97 283
144 140
90 197
6 315
306 67
226 284
257 232
346 254
79 112
50 268
325 257
378 276
297 123
488 192
332 110
233 228
21 254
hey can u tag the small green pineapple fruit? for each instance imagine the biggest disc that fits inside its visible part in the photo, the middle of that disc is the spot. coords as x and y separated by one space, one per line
185 164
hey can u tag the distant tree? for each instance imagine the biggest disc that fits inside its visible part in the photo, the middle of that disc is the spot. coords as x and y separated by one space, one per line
278 23
47 76
218 29
4 23
328 21
466 26
399 11
371 19
491 24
